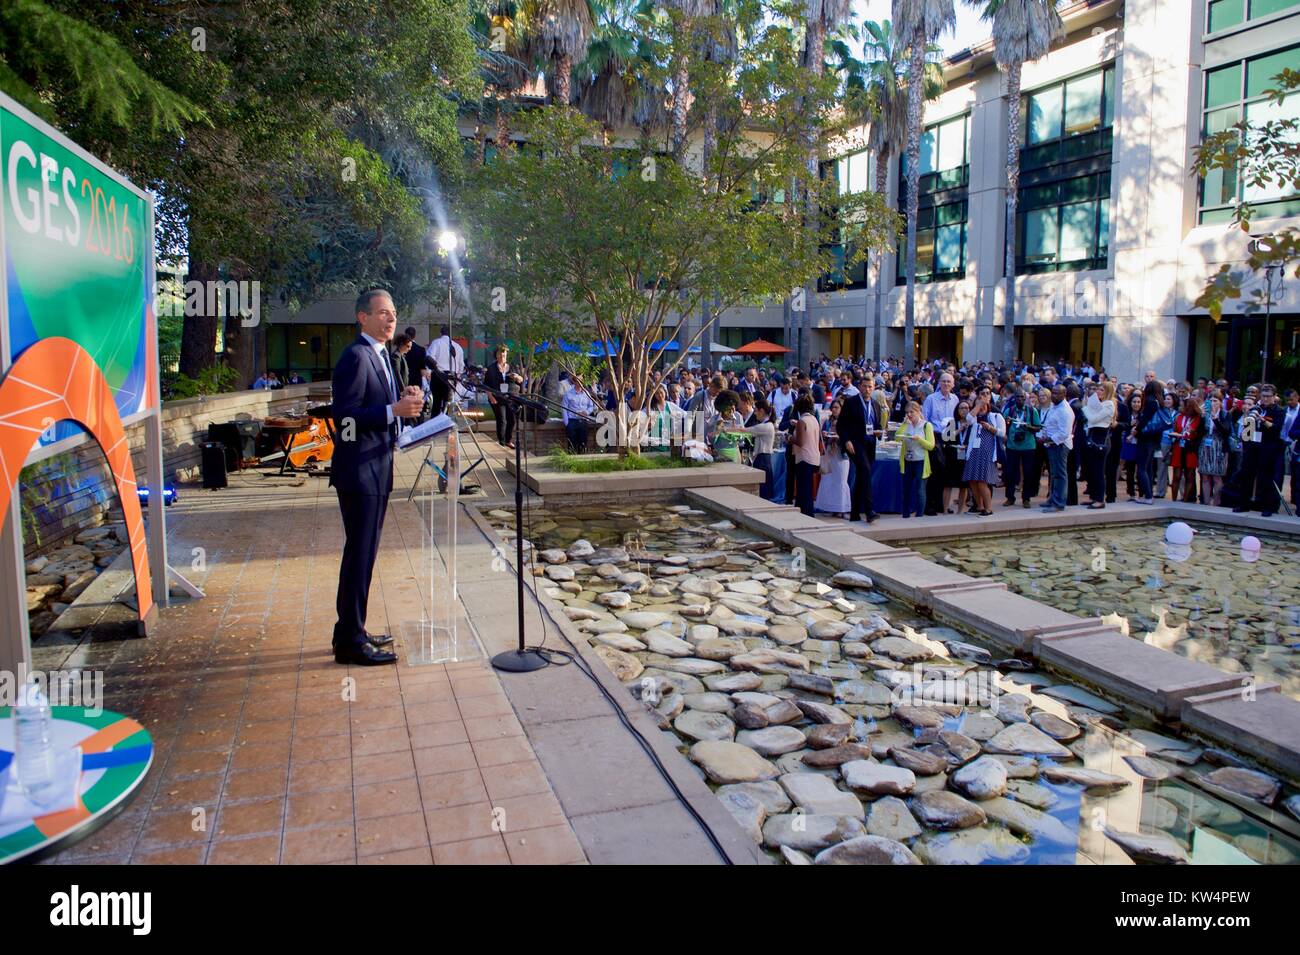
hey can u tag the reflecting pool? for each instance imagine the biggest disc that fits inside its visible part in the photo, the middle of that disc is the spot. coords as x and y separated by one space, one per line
835 723
1208 601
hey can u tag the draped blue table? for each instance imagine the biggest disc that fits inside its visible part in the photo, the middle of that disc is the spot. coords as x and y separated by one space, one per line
887 486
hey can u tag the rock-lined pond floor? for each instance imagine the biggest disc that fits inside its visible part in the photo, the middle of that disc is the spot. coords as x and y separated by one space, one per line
1213 606
837 726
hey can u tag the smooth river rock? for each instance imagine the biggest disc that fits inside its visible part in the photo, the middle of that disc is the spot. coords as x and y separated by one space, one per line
867 850
726 762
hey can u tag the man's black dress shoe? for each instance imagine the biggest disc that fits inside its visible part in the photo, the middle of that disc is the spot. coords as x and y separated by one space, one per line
364 655
378 639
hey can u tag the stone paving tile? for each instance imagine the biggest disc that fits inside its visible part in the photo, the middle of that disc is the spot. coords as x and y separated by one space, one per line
269 752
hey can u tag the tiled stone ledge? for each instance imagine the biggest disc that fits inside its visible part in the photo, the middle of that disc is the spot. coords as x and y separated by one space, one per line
560 486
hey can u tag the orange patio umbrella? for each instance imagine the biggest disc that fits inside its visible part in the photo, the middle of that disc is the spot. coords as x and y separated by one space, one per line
761 347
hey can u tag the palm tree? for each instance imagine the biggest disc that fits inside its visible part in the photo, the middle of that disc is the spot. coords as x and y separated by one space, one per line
1023 30
688 12
885 79
918 22
822 19
560 31
500 29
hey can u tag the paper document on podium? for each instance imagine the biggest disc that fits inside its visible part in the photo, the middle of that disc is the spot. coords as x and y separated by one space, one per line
421 433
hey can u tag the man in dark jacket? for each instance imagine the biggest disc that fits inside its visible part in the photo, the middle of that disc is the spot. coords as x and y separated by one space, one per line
857 427
368 408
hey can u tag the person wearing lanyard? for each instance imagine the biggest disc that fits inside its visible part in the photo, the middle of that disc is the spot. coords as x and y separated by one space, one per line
939 409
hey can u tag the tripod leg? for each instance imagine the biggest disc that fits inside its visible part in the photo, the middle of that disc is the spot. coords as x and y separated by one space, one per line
416 483
453 406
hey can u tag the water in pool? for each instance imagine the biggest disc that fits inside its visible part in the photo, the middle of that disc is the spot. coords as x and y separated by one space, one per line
1212 605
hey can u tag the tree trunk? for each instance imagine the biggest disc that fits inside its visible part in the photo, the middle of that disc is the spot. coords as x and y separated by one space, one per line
916 93
814 59
681 81
1013 198
199 332
503 127
882 185
563 73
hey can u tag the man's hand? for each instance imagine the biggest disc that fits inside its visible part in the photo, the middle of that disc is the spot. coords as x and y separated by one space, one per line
410 404
848 446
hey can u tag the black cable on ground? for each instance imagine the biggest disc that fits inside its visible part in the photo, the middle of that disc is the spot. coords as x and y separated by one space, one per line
572 656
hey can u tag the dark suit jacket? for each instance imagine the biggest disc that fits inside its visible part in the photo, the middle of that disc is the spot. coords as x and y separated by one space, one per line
363 465
852 425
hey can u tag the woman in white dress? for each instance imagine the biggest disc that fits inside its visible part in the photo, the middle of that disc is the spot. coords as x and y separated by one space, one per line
833 491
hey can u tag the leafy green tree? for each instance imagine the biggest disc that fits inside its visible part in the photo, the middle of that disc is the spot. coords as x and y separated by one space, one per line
570 251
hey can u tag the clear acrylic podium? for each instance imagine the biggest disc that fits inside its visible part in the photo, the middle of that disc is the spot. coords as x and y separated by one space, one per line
438 635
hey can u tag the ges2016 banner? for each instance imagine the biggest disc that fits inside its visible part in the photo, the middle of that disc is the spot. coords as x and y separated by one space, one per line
77 254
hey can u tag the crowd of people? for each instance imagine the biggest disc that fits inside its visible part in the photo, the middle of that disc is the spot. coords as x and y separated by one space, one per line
1050 433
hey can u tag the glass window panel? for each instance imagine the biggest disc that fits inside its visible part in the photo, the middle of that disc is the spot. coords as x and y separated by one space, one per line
1073 190
1041 235
1039 196
946 215
1223 86
856 180
1045 115
1261 70
947 248
1220 185
952 144
1226 13
1083 104
1103 228
1264 8
925 252
1257 114
1078 231
927 151
1108 119
275 347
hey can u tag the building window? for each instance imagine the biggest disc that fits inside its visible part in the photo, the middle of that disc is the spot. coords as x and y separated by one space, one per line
1063 212
942 209
1064 226
1223 14
1235 92
853 173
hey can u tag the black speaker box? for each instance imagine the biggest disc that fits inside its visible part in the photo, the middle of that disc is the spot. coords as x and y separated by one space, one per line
213 465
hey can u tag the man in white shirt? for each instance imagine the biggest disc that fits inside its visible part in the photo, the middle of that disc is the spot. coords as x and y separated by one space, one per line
782 399
1057 437
938 409
445 358
577 405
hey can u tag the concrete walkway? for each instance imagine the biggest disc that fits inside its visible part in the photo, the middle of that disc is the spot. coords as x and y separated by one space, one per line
269 752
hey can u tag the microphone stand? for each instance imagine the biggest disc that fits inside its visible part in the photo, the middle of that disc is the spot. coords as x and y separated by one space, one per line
522 659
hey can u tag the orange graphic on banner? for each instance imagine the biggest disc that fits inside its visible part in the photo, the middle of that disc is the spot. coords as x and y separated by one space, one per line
57 380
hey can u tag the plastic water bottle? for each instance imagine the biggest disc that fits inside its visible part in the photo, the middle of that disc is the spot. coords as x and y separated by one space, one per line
33 738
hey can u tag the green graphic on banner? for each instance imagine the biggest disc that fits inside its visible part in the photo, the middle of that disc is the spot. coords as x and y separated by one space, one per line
77 254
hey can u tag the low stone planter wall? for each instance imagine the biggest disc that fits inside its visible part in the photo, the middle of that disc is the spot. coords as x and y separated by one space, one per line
71 492
657 484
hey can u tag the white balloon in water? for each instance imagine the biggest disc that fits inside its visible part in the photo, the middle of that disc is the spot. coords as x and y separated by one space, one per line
1250 548
1179 534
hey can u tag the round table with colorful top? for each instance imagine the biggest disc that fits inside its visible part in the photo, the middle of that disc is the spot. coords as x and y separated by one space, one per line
116 755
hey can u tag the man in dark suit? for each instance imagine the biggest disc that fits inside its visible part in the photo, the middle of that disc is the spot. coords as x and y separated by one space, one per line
857 427
368 406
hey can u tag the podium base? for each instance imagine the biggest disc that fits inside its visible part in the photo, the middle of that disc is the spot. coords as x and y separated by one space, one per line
519 661
426 644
